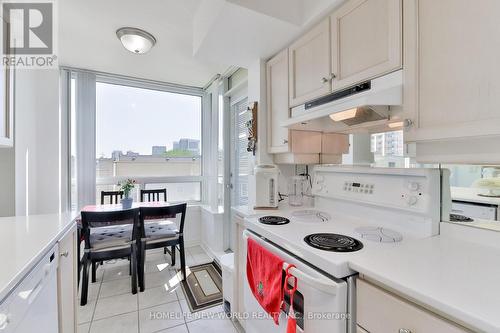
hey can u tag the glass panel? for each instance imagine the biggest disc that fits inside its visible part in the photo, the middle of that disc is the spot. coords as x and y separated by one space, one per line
475 195
144 132
388 149
73 184
179 192
134 194
220 153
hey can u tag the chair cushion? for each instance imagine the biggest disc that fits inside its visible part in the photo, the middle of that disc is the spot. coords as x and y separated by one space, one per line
112 237
160 229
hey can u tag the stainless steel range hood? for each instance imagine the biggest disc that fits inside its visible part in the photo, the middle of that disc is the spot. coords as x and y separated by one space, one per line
365 105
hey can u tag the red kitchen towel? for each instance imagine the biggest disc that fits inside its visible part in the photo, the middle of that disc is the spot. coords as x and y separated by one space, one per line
264 270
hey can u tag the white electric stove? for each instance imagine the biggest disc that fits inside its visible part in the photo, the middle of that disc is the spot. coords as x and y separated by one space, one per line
356 209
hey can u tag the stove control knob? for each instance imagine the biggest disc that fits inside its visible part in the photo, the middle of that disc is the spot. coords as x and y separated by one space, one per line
411 200
413 186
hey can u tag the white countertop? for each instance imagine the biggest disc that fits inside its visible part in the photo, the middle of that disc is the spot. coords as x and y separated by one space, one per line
470 194
246 211
456 279
24 240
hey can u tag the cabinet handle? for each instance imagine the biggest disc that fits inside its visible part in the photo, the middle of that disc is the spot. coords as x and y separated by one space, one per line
332 76
324 80
404 330
64 254
285 141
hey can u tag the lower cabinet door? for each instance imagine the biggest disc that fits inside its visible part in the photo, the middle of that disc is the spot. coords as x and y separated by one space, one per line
379 311
67 283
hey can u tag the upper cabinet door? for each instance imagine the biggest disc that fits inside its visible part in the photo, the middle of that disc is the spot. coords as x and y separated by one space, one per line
366 40
310 68
277 102
458 48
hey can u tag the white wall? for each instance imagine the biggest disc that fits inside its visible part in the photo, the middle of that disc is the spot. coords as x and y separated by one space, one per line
192 226
7 174
37 142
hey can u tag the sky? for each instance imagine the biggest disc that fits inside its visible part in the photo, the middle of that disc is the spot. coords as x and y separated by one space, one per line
136 119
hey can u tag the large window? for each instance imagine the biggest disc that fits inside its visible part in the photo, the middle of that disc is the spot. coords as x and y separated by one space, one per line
148 134
126 128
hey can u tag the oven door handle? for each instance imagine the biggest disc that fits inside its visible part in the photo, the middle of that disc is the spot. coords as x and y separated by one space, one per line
321 282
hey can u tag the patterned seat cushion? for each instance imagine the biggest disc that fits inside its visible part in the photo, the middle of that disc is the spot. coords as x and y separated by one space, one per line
160 229
105 238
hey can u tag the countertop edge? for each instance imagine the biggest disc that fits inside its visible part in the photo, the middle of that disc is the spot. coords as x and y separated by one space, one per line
29 266
442 309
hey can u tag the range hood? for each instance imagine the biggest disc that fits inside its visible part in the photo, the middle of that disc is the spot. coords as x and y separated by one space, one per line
368 104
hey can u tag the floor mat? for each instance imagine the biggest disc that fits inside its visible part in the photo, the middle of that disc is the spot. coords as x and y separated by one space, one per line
203 286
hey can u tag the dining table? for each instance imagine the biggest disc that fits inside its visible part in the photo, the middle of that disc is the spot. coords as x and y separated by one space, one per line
119 207
111 208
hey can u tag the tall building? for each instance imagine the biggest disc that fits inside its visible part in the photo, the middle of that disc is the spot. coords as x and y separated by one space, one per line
158 150
388 144
187 144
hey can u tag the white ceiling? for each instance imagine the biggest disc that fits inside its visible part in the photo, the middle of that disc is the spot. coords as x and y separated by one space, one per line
241 31
87 39
196 39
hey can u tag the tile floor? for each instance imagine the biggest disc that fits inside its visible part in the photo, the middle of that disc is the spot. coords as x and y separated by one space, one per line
162 307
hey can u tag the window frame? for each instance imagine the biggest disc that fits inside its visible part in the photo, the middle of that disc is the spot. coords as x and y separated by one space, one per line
206 141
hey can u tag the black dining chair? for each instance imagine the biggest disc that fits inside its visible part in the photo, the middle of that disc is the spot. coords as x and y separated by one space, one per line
109 235
153 195
163 233
114 197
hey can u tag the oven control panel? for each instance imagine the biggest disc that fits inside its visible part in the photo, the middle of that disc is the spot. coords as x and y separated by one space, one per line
415 190
355 187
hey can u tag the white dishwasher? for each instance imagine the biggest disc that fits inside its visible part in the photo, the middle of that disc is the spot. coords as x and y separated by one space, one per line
32 304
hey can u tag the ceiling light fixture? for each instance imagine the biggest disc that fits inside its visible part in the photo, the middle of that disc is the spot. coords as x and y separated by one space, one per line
136 40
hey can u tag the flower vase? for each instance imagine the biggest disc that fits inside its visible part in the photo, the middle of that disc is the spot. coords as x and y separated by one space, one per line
127 202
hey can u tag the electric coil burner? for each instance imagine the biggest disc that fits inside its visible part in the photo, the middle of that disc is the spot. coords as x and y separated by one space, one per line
333 242
460 218
274 220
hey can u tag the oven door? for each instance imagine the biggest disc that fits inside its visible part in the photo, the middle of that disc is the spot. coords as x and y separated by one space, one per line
320 303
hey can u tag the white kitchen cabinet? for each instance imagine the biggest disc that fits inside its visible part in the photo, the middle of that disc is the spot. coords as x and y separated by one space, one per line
378 311
310 65
366 40
277 102
67 283
453 48
291 146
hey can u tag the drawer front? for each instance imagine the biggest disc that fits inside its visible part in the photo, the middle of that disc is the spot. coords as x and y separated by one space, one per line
381 312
